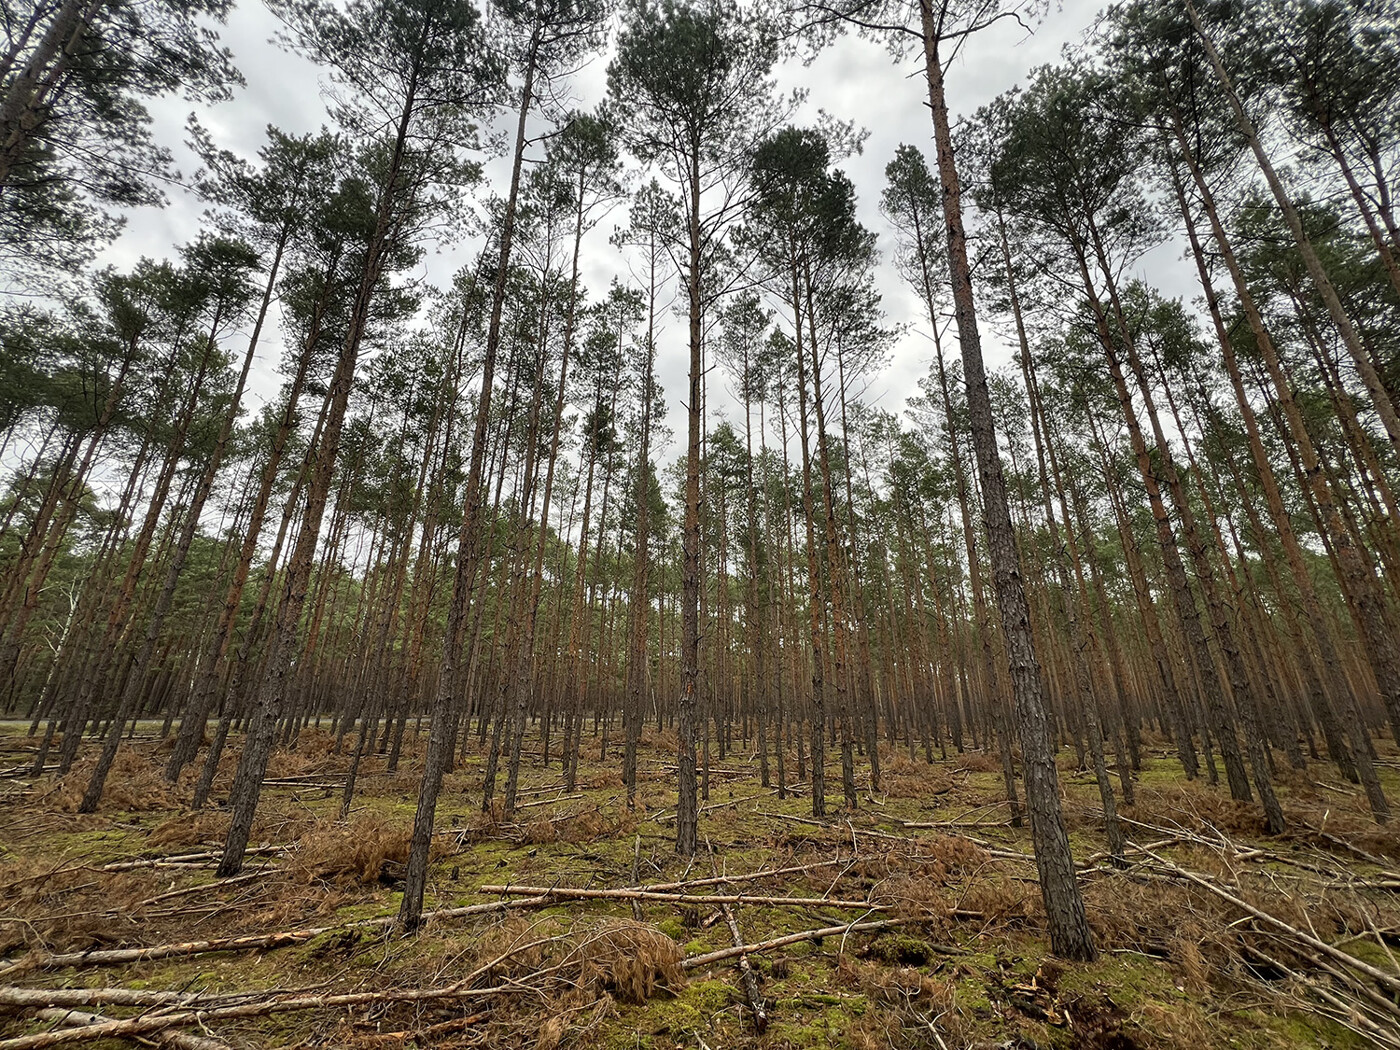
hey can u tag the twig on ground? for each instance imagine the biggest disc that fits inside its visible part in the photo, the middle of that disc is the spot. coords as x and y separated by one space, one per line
696 961
681 898
71 1019
281 939
1380 976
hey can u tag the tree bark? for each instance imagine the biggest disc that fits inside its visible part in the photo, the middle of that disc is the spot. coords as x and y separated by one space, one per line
1064 907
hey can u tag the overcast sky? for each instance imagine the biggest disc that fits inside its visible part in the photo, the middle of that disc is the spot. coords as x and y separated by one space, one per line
854 79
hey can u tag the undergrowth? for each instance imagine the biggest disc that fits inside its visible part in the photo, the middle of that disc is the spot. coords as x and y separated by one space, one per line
965 964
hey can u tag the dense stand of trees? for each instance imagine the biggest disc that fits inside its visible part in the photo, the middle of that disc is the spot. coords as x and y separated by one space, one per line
1168 519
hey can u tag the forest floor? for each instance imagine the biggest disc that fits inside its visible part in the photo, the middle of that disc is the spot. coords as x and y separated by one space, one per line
1211 934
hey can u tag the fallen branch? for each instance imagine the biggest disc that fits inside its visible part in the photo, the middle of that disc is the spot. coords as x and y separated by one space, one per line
183 860
1350 1009
571 893
696 961
885 836
547 801
151 1023
34 998
794 819
216 885
1235 851
253 942
173 1040
525 792
1096 860
1354 983
746 974
760 1015
720 880
1317 944
1350 848
112 956
666 818
442 1028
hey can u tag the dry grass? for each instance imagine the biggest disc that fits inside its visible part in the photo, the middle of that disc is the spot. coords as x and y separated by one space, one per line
1186 1025
629 960
68 907
902 1001
663 740
1311 814
1153 917
591 823
311 752
1197 807
585 825
135 784
515 947
877 1029
361 852
905 986
915 897
196 828
945 856
605 778
905 777
1010 903
976 762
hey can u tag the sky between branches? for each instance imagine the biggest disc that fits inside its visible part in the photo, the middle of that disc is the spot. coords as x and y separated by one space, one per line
855 79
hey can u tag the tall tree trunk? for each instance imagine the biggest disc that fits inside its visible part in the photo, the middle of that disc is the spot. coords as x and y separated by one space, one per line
273 691
687 805
1064 907
1381 396
1356 576
639 605
469 545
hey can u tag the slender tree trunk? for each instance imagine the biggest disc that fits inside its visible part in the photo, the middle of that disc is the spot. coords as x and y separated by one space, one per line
469 544
1356 576
1351 339
639 607
687 804
1064 907
274 689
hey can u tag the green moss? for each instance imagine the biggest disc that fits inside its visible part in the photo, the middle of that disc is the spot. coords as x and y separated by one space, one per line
971 995
901 949
1370 952
1297 1029
829 1027
689 1011
1159 772
1122 974
98 844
